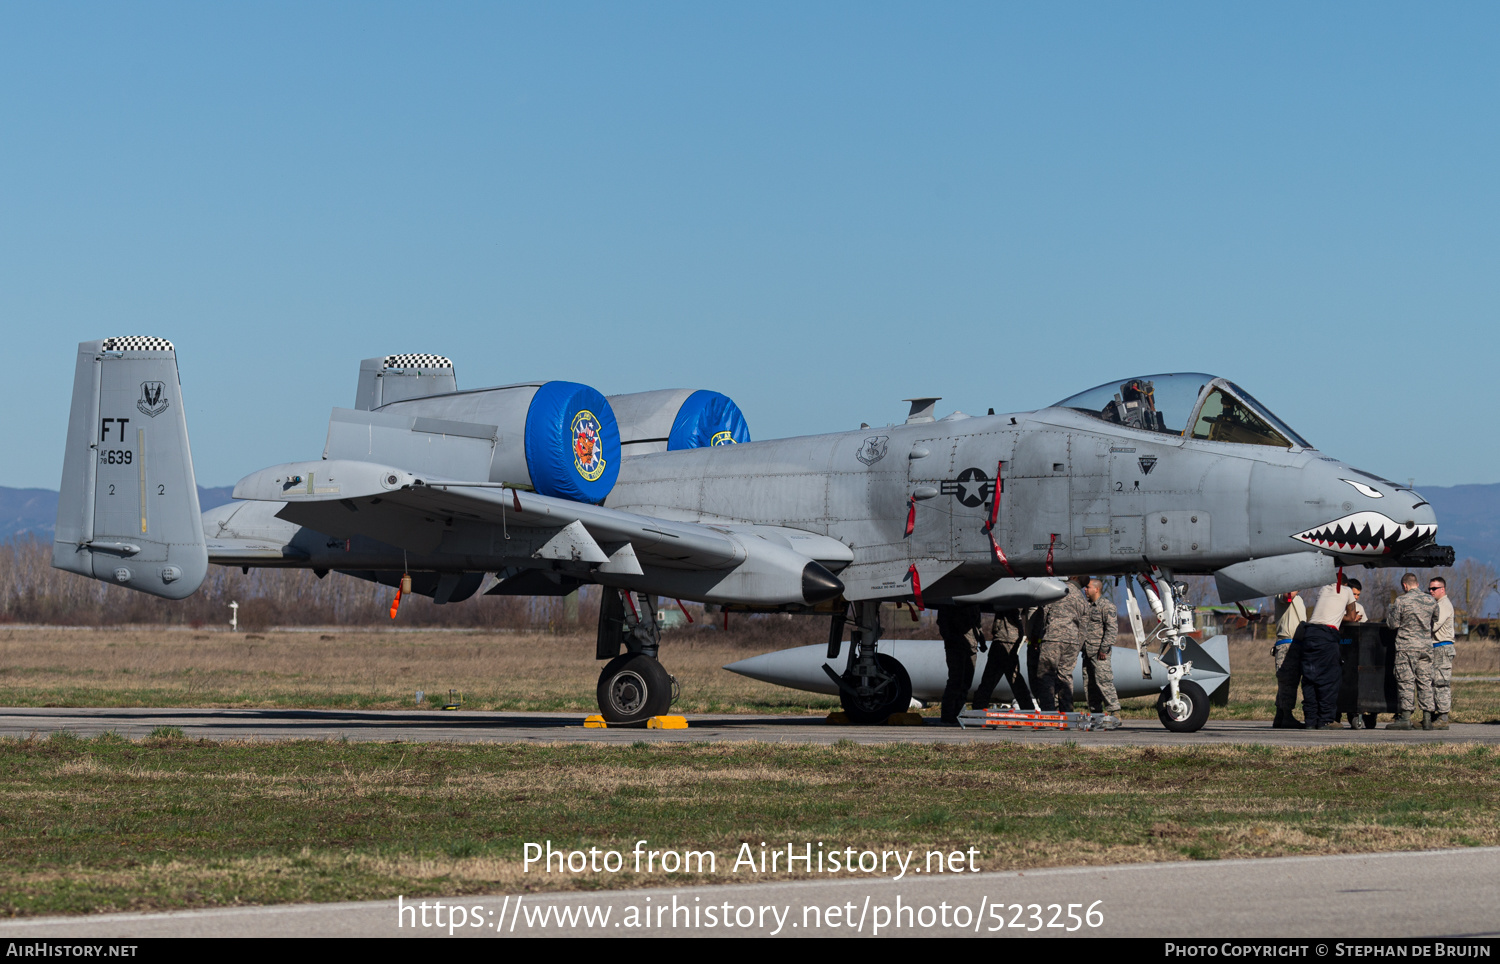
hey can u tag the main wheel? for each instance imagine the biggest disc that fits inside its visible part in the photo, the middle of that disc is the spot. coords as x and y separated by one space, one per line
1196 713
878 696
632 689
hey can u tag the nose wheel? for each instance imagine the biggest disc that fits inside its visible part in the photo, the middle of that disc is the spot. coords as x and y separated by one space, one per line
1188 712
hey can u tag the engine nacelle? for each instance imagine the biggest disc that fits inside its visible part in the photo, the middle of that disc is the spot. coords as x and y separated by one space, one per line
559 438
677 418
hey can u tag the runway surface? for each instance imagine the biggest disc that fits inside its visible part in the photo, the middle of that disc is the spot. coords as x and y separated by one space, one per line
428 726
1358 898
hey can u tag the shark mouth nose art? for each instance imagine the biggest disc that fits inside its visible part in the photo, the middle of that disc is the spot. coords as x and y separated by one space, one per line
1369 533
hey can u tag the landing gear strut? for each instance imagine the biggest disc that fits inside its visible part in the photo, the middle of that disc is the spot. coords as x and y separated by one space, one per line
874 685
633 686
1182 706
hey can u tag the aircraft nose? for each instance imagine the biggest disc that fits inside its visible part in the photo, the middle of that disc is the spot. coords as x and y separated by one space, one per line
1370 516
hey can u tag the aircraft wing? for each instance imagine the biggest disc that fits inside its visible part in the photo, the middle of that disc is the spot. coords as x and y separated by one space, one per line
419 513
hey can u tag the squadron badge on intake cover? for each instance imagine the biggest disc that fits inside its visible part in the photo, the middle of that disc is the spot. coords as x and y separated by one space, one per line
722 438
151 403
588 452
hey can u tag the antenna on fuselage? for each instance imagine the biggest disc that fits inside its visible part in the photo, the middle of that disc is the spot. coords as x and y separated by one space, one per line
921 409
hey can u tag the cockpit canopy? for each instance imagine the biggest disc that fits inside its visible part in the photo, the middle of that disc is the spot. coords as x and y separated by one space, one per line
1189 404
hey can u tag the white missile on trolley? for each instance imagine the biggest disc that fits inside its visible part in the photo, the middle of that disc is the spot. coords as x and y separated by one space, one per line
923 660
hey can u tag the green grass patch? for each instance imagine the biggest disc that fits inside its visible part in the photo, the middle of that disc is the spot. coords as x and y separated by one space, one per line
109 824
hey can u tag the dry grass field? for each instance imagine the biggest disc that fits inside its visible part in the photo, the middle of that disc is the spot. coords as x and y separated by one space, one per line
363 669
499 671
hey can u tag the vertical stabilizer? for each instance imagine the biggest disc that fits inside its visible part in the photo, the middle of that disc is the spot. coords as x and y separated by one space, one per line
128 510
395 377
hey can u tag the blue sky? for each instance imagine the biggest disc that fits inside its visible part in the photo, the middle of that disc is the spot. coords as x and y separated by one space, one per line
818 209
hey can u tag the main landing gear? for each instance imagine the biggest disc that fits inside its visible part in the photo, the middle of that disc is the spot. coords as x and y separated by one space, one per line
633 686
873 686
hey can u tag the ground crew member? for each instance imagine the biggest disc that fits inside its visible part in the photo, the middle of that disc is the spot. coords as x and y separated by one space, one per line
962 632
1010 631
1058 653
1413 616
1036 628
1442 653
1101 626
1318 652
1292 613
1347 652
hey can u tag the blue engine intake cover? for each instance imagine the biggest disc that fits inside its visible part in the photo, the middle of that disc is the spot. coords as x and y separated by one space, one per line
572 443
707 418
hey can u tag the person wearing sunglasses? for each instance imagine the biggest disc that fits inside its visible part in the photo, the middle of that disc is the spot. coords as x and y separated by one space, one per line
1442 652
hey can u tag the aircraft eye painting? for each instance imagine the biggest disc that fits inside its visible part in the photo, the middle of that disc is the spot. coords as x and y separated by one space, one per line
1365 490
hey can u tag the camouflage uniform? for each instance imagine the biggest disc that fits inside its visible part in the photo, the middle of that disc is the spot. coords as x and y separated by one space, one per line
1058 653
1011 630
1100 628
1413 616
962 633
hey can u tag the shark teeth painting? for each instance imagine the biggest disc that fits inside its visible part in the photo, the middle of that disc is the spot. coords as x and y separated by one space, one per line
1368 533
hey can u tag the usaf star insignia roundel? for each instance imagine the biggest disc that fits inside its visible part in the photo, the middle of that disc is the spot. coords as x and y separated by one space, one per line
973 487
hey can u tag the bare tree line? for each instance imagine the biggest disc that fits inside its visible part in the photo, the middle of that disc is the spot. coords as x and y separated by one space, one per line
31 591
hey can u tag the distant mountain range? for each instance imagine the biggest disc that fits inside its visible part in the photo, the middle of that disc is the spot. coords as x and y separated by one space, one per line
33 512
1468 515
1468 519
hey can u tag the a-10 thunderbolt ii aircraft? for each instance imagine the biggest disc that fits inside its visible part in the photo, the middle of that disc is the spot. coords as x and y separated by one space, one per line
551 485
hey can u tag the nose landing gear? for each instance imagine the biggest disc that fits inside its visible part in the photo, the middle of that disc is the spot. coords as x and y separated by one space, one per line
1188 712
1182 706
